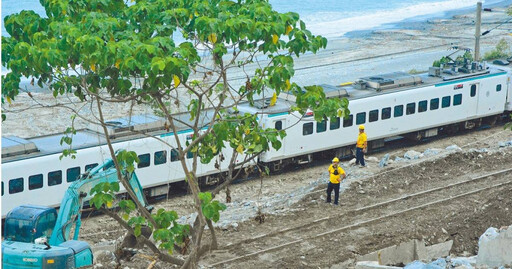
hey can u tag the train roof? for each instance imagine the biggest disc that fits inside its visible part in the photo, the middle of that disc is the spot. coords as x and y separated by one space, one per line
401 81
119 130
139 126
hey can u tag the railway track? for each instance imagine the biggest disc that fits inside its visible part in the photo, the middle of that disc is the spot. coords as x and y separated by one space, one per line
355 218
395 145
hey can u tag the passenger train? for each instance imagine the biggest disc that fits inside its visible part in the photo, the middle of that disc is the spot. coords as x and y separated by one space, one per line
395 104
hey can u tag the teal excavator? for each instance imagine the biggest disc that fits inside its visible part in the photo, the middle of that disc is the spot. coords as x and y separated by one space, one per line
38 237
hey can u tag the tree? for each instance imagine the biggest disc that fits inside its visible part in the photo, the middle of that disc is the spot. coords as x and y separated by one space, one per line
111 51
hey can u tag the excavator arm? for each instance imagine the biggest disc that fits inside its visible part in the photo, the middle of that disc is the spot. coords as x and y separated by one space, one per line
78 192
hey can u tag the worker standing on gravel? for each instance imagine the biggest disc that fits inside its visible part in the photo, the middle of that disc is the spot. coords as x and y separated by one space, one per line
361 146
336 175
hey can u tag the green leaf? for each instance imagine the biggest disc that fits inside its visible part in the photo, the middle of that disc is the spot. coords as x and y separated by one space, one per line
137 230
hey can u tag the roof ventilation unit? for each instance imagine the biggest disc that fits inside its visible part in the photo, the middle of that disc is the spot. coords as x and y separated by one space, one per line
131 125
13 145
334 91
388 81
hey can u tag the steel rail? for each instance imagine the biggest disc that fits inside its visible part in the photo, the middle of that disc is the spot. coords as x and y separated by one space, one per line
357 224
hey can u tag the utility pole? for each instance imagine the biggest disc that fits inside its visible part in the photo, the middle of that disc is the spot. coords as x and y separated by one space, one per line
477 30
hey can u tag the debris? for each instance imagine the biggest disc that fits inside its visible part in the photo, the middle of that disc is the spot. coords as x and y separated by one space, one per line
453 148
384 161
412 155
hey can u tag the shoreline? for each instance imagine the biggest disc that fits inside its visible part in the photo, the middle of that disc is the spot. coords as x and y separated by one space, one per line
419 22
411 46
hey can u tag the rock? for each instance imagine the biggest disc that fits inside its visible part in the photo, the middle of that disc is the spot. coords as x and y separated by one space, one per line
384 161
371 159
104 257
412 155
453 148
352 162
431 152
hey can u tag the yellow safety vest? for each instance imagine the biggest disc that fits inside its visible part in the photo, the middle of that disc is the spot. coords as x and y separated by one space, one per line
360 140
335 179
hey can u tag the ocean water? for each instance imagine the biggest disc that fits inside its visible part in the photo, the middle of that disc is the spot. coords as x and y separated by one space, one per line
330 18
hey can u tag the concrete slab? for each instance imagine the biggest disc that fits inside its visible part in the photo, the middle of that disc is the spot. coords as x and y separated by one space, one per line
437 251
495 247
402 253
408 252
373 265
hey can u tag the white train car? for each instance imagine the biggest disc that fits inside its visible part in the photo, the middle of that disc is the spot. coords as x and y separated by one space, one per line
389 105
33 174
395 104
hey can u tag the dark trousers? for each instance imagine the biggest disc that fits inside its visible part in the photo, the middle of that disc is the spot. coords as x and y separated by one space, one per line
330 187
359 156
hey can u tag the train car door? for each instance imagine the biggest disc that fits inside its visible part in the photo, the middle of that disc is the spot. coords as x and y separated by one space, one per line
279 125
485 94
474 92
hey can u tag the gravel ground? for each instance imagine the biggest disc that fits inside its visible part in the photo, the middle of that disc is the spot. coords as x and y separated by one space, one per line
296 197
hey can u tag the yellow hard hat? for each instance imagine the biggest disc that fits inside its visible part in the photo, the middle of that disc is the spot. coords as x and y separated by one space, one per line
361 127
335 160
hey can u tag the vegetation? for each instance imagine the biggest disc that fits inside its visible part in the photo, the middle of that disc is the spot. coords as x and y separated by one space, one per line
461 59
98 51
502 50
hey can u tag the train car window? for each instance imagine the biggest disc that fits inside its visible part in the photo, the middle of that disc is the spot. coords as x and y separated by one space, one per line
72 174
279 125
446 101
399 111
321 126
360 118
15 185
307 128
90 166
190 155
160 157
457 99
174 155
54 178
410 109
434 104
473 90
498 88
35 182
334 124
349 121
373 115
145 160
422 106
386 113
2 189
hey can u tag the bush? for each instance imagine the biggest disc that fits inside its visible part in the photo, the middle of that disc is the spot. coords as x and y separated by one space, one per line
502 50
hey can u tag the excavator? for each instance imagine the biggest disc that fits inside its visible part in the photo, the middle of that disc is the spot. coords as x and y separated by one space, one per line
38 237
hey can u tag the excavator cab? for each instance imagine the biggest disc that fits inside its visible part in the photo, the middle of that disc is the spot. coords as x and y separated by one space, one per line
29 222
38 237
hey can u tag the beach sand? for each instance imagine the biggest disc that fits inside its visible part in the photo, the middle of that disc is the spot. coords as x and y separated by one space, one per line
407 46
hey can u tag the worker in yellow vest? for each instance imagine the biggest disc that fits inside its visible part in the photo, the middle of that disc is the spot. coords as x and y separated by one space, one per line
361 146
336 175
